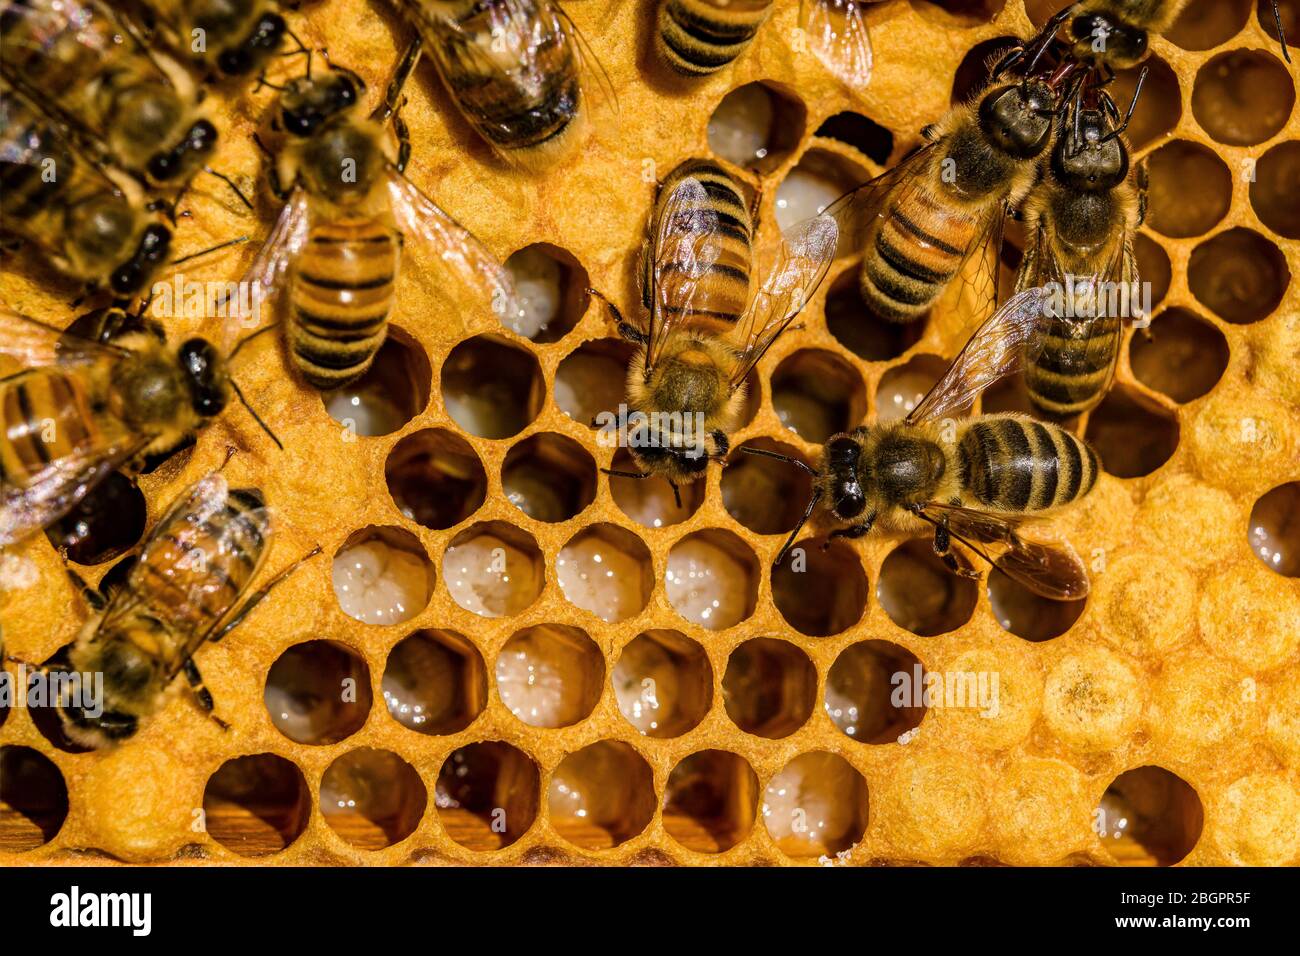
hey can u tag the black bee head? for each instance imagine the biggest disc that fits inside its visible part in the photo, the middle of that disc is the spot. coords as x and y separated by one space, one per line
1099 36
1017 118
183 159
848 497
309 101
132 276
205 373
1092 162
257 47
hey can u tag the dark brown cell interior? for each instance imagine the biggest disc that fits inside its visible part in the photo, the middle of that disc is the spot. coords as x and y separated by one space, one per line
104 524
602 795
1158 108
556 272
1204 24
973 74
859 329
33 799
549 477
1243 97
1153 266
920 594
820 588
1149 817
772 117
1173 209
1027 614
487 795
492 388
318 692
1180 354
435 682
256 805
816 394
593 379
663 683
769 688
1275 190
961 12
47 719
1274 531
861 687
902 387
710 801
824 800
1008 394
1132 435
1040 11
372 798
393 391
765 495
1290 11
1238 275
864 134
550 675
435 478
650 501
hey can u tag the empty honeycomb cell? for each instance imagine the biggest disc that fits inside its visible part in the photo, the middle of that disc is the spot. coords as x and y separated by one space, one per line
1284 717
492 388
1149 816
1205 24
487 795
549 477
1092 700
817 180
1141 612
1041 812
712 579
33 799
816 805
865 695
710 801
606 570
593 379
1237 439
1243 97
1199 703
1239 275
1274 189
494 569
602 795
1029 615
1247 618
372 798
435 682
903 386
435 478
820 588
1187 517
960 13
1175 211
382 575
973 73
552 288
864 134
859 329
256 805
1008 394
764 495
550 675
920 594
1257 821
1274 529
318 692
663 683
1132 435
769 688
1180 355
651 501
933 804
757 126
1153 266
1160 106
817 394
393 391
104 524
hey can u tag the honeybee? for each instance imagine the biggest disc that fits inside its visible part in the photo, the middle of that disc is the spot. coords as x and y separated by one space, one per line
348 210
975 480
837 34
706 331
232 39
80 409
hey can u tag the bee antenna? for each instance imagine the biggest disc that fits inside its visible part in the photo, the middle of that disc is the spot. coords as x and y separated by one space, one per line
248 338
1131 107
789 542
677 494
1281 34
788 459
229 182
203 252
257 418
230 453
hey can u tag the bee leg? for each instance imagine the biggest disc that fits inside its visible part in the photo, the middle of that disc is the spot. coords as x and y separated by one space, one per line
1143 179
201 693
403 135
256 598
859 530
943 548
626 329
272 171
94 598
391 102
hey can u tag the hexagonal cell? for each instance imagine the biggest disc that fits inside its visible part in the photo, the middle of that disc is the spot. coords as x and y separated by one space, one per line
1172 209
393 391
861 687
819 178
817 394
552 289
602 795
765 495
435 478
256 805
593 379
1040 11
769 688
1009 394
757 126
973 73
1274 531
33 799
1029 615
382 575
372 798
1131 434
487 795
650 501
1160 107
920 594
710 801
663 683
1205 24
1181 355
549 477
859 329
550 675
1243 97
494 569
1239 275
1153 266
712 579
104 524
318 692
964 13
606 570
435 682
816 806
1290 11
820 588
1274 188
492 388
1149 817
864 134
903 386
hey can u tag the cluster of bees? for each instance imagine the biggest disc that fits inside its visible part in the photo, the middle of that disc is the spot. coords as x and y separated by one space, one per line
102 128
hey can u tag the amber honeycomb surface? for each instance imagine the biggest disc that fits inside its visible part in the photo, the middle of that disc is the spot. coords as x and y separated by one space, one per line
1168 699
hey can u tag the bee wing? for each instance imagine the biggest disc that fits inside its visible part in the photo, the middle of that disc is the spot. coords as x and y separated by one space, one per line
837 35
1053 570
35 344
806 254
999 347
482 276
857 209
266 274
597 86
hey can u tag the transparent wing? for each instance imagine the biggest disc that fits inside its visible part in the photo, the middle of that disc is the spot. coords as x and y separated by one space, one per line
859 209
837 35
266 274
35 344
683 247
597 86
806 254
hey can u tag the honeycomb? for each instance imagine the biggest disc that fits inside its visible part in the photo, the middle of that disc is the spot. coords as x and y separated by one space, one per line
522 660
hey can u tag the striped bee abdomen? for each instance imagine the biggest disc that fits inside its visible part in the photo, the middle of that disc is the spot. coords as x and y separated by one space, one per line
46 417
1015 464
343 290
1071 371
699 37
